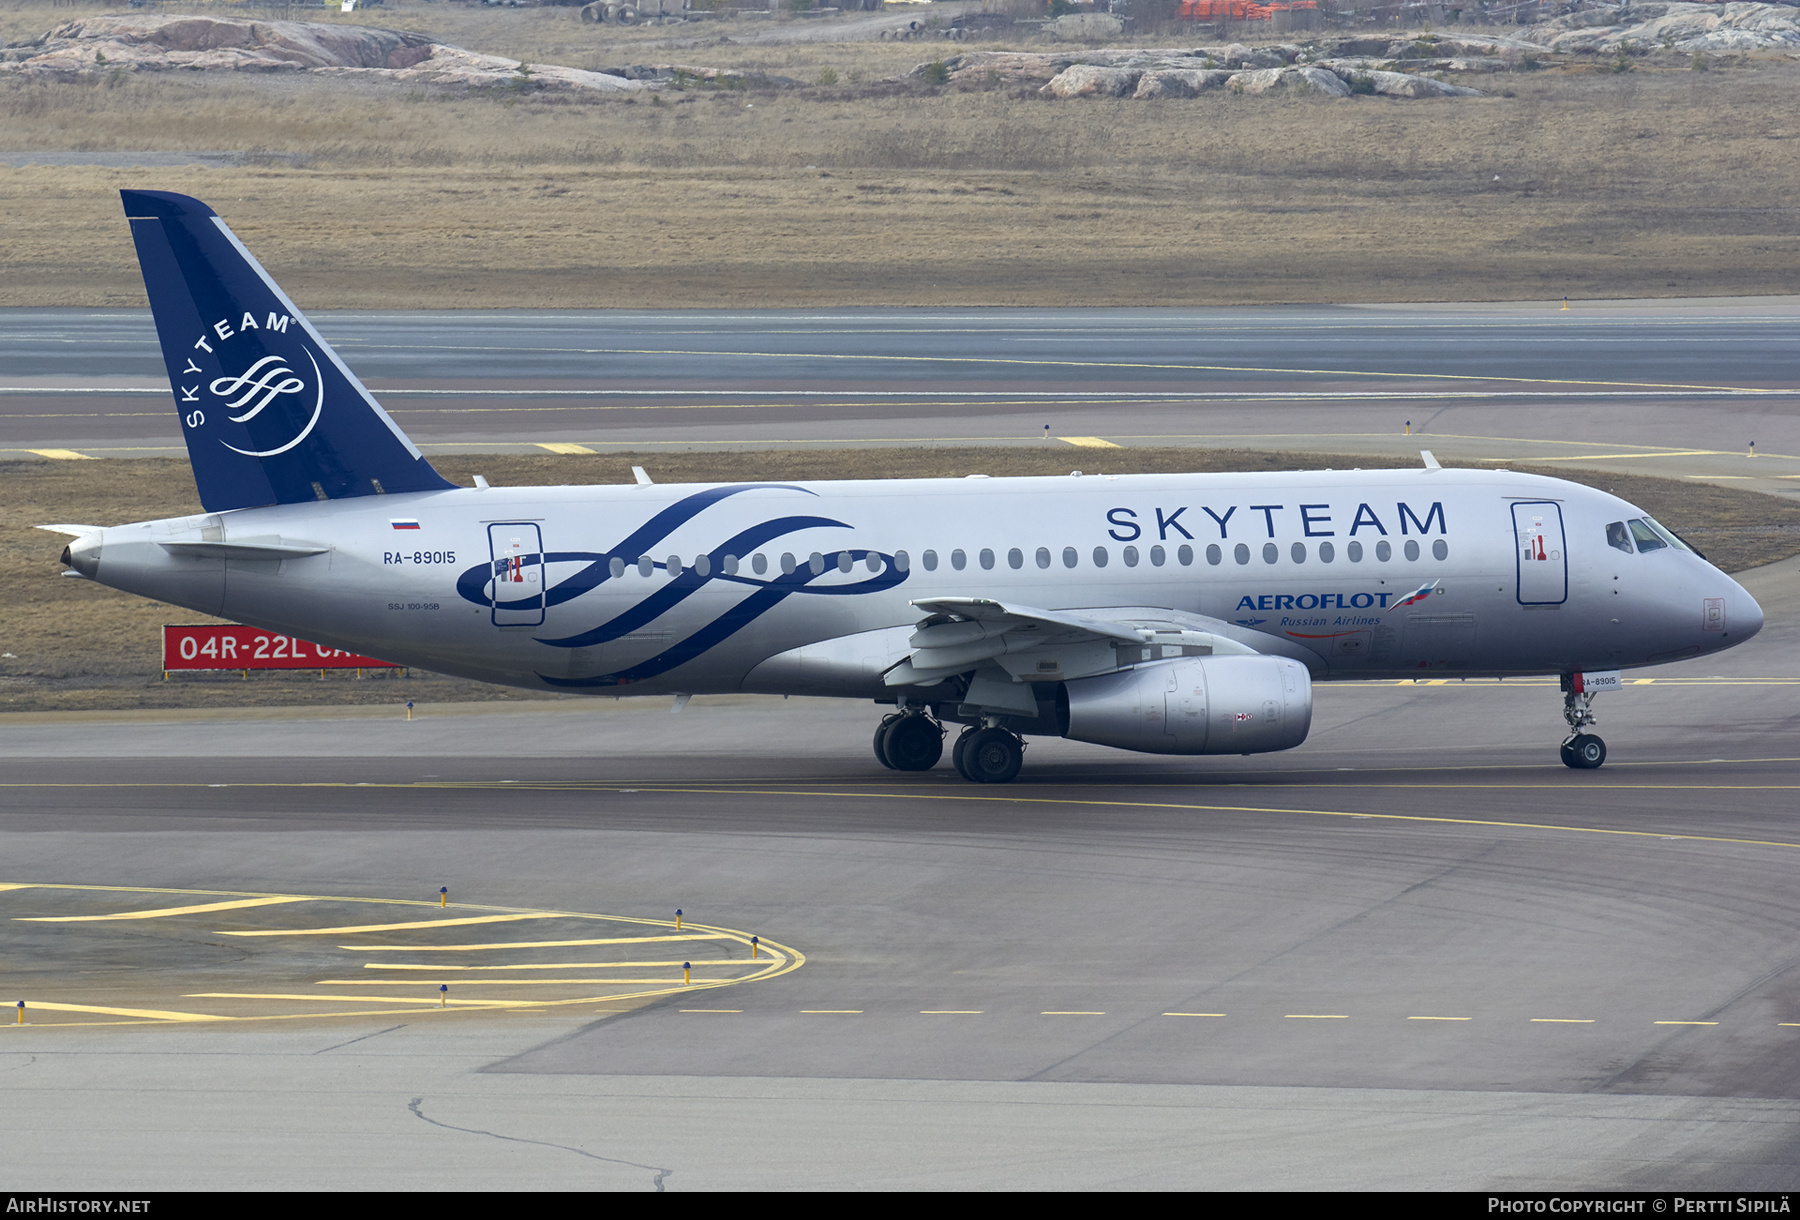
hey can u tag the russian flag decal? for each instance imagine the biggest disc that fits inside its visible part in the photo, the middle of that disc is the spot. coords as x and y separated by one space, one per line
405 523
1417 595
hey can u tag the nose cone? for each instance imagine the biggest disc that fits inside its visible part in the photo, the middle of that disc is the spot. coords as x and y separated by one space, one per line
1747 616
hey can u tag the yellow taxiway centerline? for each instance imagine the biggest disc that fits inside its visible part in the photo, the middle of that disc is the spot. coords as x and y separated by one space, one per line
391 927
161 913
536 944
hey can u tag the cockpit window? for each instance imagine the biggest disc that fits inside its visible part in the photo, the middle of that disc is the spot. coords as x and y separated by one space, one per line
1617 535
1668 535
1647 539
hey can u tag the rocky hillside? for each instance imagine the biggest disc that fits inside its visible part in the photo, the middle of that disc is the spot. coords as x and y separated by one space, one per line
137 43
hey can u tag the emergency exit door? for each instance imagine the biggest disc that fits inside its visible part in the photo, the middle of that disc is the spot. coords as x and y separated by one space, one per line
517 588
1543 558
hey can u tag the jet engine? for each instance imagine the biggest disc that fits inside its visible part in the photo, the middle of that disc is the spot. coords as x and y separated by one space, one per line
1195 705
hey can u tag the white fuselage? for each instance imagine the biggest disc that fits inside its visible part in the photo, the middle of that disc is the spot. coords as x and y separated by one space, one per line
692 588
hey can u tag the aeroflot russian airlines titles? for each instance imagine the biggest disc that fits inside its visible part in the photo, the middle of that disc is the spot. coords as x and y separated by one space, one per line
1170 614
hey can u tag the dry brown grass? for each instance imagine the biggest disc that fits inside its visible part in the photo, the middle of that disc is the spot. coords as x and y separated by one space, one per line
77 645
1655 183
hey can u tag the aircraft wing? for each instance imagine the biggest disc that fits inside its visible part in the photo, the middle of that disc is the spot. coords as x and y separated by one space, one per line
1033 644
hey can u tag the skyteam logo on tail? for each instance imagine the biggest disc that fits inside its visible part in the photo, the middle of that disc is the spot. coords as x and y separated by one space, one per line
264 383
261 384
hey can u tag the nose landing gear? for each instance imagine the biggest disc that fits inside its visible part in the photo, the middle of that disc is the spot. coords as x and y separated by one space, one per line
1583 751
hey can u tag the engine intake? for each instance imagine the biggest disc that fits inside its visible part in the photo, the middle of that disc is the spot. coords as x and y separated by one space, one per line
1195 705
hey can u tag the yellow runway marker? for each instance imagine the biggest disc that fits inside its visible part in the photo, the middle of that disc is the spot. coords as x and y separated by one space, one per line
1195 808
61 455
536 944
1071 1013
1684 1022
147 1014
566 447
832 1012
1602 457
710 1010
524 982
717 961
161 913
779 959
1193 1014
1561 1021
1087 442
1440 1018
1317 1016
1148 365
343 999
950 1012
392 927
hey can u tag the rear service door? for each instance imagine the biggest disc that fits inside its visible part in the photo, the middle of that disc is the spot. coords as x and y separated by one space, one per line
1543 559
517 589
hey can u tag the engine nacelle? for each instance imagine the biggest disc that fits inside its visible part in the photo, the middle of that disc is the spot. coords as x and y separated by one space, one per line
1195 705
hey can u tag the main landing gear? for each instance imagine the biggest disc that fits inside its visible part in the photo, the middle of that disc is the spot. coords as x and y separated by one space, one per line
1581 750
988 755
913 741
909 741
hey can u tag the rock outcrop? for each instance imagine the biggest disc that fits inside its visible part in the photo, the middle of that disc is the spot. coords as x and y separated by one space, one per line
135 43
1737 26
1185 72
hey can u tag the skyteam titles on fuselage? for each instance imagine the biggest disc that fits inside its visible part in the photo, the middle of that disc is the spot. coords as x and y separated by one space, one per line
1315 521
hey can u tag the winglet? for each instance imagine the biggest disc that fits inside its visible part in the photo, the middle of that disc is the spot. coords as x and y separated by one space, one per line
642 476
1431 463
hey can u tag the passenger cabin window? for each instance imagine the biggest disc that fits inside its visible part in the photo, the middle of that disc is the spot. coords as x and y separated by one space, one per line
929 559
1043 557
1130 555
1353 551
1157 556
902 561
1618 536
987 559
1100 557
1184 555
759 563
1070 557
1015 558
958 560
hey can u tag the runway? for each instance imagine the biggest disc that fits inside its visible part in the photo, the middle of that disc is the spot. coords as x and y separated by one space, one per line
1678 388
1415 952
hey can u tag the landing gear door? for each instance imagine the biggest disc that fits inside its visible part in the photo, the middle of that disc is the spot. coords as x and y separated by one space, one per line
1542 556
517 586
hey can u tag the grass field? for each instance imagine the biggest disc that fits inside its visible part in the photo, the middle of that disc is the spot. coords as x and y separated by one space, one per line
1659 182
78 646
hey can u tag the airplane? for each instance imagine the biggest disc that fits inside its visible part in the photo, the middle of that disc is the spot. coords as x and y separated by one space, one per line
1165 614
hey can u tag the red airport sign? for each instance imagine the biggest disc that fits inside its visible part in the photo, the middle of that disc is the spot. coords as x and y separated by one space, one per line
230 646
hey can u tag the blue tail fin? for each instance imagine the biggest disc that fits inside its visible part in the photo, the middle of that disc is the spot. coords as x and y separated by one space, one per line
271 415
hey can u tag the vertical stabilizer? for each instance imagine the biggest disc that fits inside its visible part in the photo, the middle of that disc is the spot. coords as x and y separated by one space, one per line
270 414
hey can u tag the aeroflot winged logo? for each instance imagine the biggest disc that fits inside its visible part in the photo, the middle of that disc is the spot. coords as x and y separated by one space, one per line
278 405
